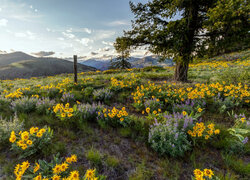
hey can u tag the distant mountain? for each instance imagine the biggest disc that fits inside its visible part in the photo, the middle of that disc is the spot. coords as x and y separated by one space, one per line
136 62
21 65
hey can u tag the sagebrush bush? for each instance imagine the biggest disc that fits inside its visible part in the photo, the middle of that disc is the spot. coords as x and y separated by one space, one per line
24 105
102 94
44 104
7 126
169 137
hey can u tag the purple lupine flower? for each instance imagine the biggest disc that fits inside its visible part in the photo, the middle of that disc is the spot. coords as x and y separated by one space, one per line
245 140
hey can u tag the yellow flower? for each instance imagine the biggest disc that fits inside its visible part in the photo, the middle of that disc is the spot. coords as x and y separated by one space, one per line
70 115
63 115
74 158
155 112
36 168
208 172
148 110
74 175
12 139
25 135
198 172
29 142
39 177
64 166
243 119
56 177
68 160
24 146
207 137
217 131
159 110
184 113
42 130
90 174
142 112
39 134
122 119
57 169
200 110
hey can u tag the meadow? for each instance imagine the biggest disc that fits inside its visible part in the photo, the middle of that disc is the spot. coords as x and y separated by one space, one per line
133 124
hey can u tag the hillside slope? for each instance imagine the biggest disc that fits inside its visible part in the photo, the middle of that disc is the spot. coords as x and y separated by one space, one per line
21 65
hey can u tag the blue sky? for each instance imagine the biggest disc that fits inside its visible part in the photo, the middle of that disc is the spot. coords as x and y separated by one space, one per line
87 28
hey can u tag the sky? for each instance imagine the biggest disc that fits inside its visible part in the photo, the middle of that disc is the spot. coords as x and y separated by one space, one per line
63 28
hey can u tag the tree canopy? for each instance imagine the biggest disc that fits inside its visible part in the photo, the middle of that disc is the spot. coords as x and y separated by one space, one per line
181 29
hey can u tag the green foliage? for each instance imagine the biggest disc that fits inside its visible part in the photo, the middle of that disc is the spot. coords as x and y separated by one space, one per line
228 24
112 161
27 144
94 156
168 138
6 127
141 172
24 105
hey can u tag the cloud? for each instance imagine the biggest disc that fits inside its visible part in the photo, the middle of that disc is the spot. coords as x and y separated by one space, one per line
105 49
104 34
43 53
27 34
0 9
68 35
87 30
84 41
119 23
107 43
93 53
3 22
60 38
69 30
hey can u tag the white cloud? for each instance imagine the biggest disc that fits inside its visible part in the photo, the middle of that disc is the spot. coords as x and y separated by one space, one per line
84 41
20 34
27 34
105 49
87 30
69 30
104 34
107 43
3 22
68 35
60 38
31 7
36 10
0 9
119 23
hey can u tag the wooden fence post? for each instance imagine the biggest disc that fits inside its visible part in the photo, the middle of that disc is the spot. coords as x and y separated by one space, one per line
75 68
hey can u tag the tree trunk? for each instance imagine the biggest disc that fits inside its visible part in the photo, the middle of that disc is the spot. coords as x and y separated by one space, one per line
181 72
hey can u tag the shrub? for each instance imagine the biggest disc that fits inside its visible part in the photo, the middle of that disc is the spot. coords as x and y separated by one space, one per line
89 112
112 161
56 169
7 126
94 156
29 143
102 94
113 117
65 112
169 137
44 104
154 104
67 97
24 105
